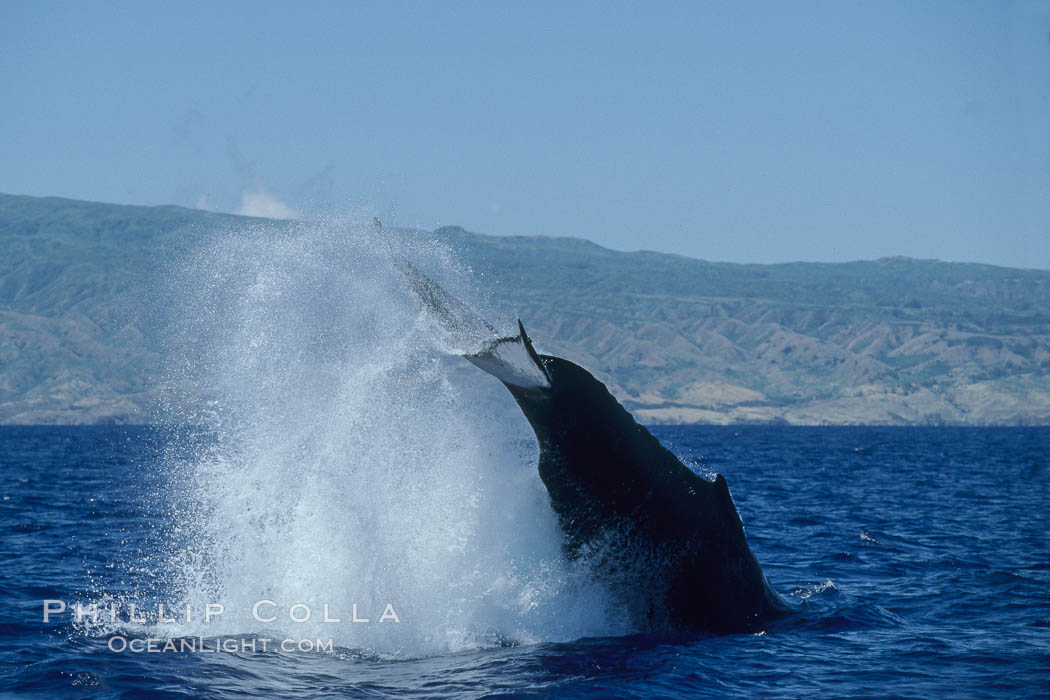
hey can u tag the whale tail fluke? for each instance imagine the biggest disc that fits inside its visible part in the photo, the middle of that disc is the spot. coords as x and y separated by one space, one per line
511 359
457 319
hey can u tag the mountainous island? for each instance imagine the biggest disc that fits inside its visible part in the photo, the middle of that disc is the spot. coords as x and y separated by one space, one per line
894 341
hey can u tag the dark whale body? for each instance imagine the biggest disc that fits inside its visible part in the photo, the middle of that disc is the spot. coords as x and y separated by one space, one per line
611 482
670 543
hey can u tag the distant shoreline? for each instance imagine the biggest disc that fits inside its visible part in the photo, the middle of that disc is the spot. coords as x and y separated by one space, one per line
679 341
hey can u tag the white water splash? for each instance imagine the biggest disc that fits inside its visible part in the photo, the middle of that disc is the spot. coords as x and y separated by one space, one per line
354 461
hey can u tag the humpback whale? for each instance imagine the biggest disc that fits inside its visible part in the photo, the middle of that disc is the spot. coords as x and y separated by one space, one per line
669 543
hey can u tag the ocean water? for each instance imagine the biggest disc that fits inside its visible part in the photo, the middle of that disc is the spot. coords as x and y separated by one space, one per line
342 464
917 560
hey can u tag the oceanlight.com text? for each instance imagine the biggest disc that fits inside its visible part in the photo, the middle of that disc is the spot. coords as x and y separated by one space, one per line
199 645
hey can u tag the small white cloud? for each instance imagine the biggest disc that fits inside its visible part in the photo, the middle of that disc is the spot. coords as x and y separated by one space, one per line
264 205
204 202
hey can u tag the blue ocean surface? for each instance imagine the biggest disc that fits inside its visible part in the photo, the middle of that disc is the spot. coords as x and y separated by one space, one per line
917 561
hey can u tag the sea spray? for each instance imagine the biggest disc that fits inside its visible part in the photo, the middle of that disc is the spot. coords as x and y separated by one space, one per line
348 460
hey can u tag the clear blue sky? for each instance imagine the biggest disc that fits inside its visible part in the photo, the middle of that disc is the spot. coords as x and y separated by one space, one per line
756 132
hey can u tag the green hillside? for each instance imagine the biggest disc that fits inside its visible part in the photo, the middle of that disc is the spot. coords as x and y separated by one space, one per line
892 341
